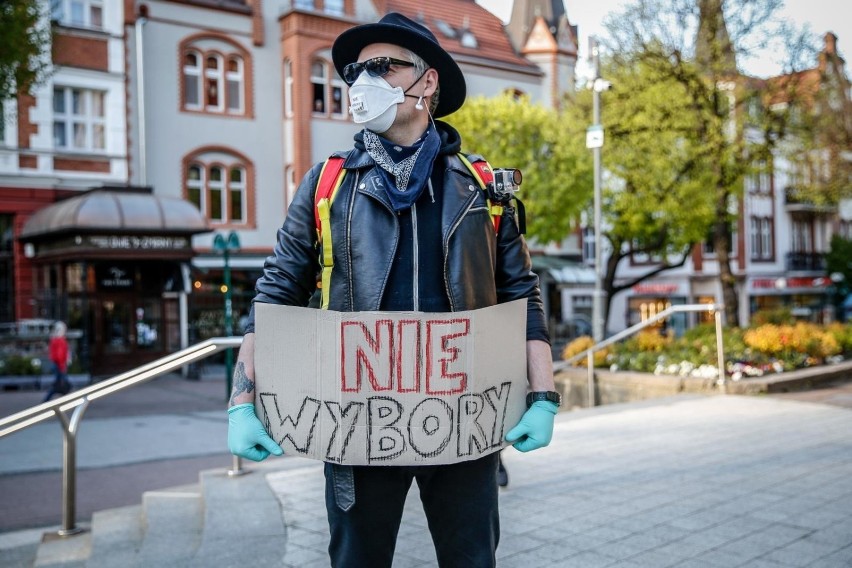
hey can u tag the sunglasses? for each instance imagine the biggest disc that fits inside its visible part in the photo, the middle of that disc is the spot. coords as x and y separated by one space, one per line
376 67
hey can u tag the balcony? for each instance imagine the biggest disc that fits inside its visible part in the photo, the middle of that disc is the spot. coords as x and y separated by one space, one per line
794 200
804 261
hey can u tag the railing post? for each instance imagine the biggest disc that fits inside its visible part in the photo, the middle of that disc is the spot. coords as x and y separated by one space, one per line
720 353
69 468
237 467
591 376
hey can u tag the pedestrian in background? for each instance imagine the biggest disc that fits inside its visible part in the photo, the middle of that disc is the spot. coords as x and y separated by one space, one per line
58 350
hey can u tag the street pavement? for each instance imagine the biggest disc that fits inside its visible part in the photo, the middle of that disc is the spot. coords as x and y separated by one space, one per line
688 481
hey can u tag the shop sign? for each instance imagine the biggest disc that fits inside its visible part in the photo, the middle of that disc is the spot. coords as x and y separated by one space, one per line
655 289
784 283
114 277
134 242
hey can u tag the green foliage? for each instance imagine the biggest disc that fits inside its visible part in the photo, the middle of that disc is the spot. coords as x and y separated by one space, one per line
545 145
18 365
778 316
654 151
839 260
24 57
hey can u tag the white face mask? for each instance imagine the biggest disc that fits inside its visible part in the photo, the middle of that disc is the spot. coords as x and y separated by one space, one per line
372 102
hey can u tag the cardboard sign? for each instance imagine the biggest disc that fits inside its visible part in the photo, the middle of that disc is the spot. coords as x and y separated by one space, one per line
390 388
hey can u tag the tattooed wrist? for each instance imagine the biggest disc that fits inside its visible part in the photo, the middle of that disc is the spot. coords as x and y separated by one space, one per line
242 383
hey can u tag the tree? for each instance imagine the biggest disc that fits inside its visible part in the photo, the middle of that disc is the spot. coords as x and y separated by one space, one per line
696 45
513 132
24 56
818 148
654 200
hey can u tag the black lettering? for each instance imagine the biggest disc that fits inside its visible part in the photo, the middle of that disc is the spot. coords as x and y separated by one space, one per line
345 422
430 427
384 440
301 431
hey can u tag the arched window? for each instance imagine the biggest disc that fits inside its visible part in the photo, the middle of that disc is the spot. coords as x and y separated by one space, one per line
215 76
319 85
219 182
328 91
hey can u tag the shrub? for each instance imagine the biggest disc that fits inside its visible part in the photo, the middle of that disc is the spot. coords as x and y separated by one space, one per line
581 344
21 365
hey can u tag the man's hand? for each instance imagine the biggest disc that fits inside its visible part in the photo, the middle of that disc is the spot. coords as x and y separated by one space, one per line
246 436
535 429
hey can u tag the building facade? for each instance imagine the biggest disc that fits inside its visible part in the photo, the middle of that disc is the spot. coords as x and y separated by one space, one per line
160 108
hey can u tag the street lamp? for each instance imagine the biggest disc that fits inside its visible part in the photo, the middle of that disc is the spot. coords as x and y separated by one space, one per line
226 246
595 141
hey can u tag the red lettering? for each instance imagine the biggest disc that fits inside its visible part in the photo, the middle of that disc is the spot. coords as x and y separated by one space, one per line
408 358
364 353
443 357
393 358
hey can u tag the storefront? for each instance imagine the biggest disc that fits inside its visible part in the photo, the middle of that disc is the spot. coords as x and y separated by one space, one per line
114 263
808 298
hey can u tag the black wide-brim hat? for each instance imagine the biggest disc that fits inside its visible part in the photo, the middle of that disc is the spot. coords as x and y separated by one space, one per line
398 30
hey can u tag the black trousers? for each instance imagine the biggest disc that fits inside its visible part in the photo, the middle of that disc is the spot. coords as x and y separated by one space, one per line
365 505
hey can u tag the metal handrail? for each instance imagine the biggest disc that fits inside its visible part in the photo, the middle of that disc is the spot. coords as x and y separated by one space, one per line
78 401
589 353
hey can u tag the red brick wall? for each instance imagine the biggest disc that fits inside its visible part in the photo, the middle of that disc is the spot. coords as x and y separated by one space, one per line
22 203
81 165
84 52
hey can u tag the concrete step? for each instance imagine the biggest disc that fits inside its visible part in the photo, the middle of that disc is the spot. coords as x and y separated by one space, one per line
220 522
172 521
240 510
116 537
68 552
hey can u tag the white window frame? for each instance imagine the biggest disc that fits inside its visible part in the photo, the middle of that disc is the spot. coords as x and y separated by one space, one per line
235 77
333 7
216 75
194 71
200 184
241 187
337 83
62 11
221 186
322 81
86 119
288 87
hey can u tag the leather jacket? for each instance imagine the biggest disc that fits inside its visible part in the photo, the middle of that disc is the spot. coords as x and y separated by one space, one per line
481 268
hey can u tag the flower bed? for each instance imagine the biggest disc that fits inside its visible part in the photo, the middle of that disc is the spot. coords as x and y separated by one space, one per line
753 352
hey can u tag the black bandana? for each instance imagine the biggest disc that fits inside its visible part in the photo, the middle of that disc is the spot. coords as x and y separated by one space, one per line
404 169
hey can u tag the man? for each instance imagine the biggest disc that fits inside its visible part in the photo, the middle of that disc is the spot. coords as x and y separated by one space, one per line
411 232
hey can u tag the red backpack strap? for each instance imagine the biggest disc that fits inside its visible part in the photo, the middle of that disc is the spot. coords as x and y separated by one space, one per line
328 181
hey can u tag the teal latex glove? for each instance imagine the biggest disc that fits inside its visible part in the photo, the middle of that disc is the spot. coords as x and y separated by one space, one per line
535 429
246 436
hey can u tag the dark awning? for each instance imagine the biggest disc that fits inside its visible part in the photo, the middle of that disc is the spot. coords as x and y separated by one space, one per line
113 211
563 271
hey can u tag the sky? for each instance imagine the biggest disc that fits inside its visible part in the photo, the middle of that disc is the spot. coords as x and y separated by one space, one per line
820 15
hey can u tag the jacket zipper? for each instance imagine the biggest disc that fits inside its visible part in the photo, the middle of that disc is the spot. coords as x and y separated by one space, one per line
446 243
415 260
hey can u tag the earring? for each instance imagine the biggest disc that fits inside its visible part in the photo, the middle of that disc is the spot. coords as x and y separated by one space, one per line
419 105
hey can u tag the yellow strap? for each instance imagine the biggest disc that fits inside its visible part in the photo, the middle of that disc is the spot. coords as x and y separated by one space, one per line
495 210
324 209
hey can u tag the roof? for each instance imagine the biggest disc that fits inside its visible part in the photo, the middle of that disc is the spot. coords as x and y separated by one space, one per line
116 211
449 19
